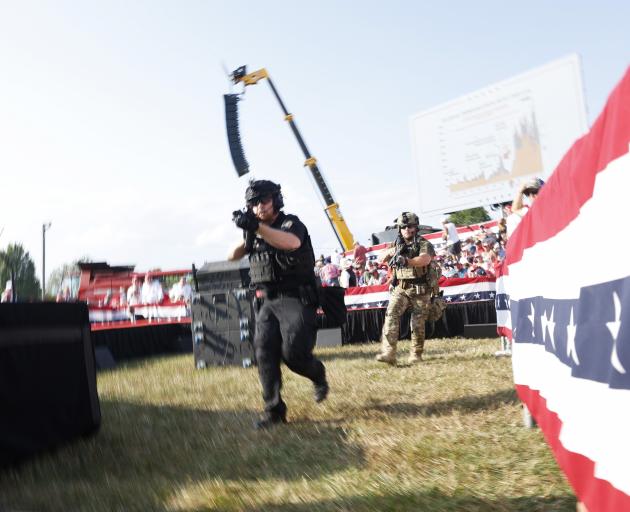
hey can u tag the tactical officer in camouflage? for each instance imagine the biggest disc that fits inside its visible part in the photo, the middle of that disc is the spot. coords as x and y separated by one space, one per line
414 281
281 270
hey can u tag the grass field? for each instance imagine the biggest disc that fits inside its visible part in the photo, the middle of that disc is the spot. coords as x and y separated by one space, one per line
444 435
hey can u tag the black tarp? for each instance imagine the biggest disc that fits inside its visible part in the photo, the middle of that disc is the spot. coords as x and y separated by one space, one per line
144 341
366 325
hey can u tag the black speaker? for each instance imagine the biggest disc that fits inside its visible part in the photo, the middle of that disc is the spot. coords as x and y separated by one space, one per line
233 134
222 315
222 275
389 235
48 392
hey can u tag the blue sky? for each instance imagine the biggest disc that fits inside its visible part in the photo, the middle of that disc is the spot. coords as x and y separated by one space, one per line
112 123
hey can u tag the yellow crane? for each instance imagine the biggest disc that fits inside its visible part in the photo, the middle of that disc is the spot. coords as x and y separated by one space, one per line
240 75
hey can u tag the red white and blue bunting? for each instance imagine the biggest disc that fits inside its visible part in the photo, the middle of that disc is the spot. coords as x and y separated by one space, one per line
568 311
455 290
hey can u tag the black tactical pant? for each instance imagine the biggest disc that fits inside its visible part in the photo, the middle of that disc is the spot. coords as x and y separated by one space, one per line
286 330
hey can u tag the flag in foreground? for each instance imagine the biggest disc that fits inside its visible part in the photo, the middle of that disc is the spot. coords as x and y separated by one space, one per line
569 305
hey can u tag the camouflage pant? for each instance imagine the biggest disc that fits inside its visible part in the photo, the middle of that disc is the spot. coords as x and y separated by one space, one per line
415 297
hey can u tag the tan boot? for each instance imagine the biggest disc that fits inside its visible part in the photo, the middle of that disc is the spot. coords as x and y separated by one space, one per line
414 358
387 358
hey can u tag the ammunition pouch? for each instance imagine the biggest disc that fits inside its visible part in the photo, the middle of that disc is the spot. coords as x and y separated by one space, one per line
419 285
261 268
433 276
411 272
435 309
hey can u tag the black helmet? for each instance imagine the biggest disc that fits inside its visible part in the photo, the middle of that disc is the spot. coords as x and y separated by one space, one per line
261 188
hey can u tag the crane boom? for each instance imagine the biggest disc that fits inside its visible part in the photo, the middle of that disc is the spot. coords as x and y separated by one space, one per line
333 213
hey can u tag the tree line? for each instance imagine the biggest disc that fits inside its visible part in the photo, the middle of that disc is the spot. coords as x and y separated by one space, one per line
16 266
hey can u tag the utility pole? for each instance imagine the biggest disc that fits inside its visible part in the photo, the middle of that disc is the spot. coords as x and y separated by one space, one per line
45 227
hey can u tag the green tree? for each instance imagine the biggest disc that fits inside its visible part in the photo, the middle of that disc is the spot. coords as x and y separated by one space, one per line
65 275
16 265
470 216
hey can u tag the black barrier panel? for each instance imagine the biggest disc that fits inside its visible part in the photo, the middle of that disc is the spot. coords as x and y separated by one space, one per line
144 341
366 325
222 315
223 328
48 390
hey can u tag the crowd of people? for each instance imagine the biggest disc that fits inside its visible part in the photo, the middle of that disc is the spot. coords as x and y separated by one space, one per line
151 291
144 292
478 255
349 271
474 256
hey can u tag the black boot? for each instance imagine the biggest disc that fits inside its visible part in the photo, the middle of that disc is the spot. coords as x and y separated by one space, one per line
269 421
321 392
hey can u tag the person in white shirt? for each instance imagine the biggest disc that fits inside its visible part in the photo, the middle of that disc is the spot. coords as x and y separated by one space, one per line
453 244
180 291
122 297
347 278
528 190
152 292
336 258
134 292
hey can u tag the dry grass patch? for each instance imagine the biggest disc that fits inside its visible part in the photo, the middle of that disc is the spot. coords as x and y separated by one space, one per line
443 435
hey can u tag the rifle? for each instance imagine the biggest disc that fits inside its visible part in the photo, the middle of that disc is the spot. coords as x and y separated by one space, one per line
394 262
401 250
248 236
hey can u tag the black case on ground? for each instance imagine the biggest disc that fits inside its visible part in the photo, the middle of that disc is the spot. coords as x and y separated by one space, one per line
48 392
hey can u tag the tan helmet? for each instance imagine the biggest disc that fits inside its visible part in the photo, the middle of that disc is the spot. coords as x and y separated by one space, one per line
407 219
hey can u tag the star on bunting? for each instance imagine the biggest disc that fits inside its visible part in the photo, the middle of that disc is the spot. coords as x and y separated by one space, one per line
571 329
613 327
531 317
548 324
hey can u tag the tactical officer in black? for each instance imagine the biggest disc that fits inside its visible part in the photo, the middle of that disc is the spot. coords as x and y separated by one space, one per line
281 270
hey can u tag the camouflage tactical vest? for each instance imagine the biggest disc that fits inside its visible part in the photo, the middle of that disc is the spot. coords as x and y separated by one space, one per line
413 250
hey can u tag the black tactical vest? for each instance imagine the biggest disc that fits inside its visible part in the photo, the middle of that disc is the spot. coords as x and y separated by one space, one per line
275 268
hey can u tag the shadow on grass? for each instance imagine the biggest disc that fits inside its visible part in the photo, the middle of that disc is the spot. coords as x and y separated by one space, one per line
466 405
222 444
433 501
347 355
456 357
143 452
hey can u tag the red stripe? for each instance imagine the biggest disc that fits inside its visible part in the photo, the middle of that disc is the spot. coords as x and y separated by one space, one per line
598 495
456 281
502 270
106 326
443 283
571 184
364 290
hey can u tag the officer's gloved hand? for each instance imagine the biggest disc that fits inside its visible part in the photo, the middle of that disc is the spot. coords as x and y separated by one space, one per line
247 221
399 261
